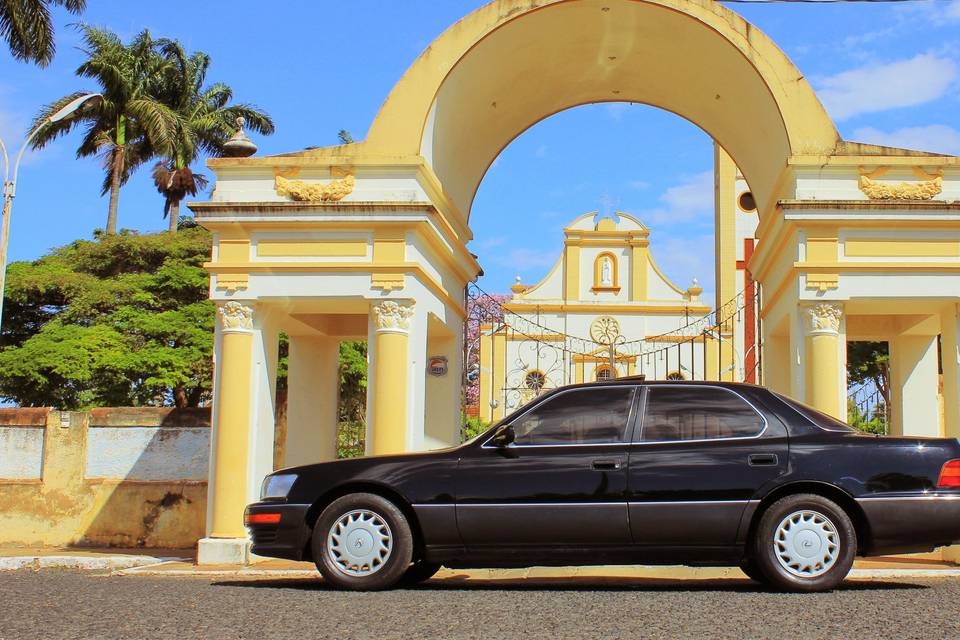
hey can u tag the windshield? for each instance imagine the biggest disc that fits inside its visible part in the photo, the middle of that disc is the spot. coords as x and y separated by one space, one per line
820 419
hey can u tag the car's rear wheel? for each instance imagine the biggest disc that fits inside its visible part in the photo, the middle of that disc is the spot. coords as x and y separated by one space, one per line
362 541
805 542
419 571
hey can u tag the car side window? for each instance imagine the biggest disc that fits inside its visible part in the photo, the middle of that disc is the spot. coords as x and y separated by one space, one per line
677 413
582 416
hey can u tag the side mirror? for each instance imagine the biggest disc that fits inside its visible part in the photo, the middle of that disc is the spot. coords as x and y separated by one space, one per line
503 437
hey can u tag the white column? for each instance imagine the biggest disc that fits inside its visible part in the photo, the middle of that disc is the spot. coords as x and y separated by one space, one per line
313 386
913 386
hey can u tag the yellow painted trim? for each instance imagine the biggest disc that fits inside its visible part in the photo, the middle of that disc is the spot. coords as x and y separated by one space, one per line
816 267
311 248
233 250
447 244
571 273
639 257
610 308
350 267
513 336
581 358
876 248
597 276
499 374
574 242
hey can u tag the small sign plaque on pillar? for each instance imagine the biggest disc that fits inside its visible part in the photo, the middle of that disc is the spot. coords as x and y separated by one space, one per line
437 365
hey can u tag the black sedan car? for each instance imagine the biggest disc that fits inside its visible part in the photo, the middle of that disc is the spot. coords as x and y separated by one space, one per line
624 472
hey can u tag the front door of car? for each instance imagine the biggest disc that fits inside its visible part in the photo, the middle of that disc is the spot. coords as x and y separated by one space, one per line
563 479
699 459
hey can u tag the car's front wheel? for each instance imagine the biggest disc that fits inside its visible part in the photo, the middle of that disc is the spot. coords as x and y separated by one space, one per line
362 541
805 542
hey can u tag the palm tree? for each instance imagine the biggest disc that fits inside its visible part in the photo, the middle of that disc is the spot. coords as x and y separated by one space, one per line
28 29
130 125
204 122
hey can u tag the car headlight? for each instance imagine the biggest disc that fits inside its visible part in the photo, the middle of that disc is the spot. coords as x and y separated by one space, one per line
277 486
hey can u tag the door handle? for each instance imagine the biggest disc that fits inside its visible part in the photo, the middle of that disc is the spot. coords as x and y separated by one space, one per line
763 459
607 464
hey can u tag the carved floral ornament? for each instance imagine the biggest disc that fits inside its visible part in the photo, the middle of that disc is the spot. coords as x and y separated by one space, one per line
824 317
931 185
302 191
393 316
235 316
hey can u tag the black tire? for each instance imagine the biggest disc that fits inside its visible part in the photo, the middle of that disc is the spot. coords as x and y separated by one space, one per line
750 568
808 560
387 573
419 572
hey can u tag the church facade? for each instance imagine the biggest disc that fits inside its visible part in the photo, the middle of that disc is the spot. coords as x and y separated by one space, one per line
605 310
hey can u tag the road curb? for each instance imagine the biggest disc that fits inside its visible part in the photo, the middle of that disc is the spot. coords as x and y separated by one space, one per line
642 573
86 563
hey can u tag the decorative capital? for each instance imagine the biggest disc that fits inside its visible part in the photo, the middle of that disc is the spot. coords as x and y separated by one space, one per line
824 318
393 316
235 317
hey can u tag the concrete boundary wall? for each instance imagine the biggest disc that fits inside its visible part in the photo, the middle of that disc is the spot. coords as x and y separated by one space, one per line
126 477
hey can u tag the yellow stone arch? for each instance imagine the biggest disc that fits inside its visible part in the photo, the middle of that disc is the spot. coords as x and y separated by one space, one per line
508 65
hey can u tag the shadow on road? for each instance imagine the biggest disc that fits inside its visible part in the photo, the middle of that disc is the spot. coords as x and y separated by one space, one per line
732 585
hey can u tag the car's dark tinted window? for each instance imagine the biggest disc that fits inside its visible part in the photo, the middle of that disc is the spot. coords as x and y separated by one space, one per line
697 413
818 418
581 416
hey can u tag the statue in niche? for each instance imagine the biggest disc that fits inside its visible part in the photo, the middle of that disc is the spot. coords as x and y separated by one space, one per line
606 272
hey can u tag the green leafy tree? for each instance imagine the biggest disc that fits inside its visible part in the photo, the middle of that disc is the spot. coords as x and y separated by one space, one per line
122 320
869 362
27 27
129 126
204 122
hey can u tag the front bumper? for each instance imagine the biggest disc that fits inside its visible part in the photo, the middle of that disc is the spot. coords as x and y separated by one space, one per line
288 538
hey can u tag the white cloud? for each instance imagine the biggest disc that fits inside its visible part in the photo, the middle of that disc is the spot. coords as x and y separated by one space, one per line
936 138
872 88
523 259
692 198
683 258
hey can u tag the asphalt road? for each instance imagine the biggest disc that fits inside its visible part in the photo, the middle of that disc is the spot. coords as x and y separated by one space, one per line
54 605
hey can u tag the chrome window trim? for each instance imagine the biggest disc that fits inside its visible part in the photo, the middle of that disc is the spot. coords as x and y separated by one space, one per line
622 443
640 441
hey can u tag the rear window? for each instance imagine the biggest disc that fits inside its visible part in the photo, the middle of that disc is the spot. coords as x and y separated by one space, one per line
818 418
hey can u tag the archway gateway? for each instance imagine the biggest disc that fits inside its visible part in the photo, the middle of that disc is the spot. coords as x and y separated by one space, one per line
369 239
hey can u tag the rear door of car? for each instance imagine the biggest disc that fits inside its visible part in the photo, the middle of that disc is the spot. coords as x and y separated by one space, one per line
562 482
698 460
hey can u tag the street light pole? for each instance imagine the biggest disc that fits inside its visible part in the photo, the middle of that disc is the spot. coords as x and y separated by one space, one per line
71 109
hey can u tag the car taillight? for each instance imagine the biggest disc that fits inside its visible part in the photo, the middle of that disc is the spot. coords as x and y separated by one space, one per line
269 518
949 474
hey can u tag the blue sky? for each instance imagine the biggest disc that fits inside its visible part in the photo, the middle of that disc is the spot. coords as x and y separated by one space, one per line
887 73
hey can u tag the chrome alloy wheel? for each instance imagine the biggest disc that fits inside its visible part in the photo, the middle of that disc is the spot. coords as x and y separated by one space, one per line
359 543
806 544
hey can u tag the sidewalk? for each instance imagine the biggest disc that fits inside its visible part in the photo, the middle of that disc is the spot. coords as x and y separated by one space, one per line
180 563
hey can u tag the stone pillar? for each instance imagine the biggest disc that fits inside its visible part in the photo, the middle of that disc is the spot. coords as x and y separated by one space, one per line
313 386
388 360
950 358
825 377
915 408
226 541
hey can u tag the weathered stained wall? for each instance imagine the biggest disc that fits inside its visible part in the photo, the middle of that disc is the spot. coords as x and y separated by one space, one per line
128 477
